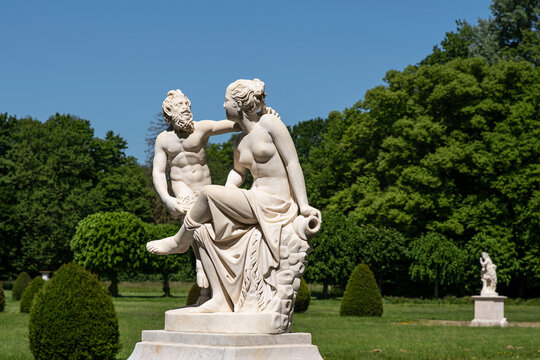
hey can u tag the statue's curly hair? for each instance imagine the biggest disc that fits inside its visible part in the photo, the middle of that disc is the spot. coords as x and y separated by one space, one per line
249 93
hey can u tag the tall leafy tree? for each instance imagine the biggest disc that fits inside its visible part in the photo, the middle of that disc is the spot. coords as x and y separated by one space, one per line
335 251
511 33
436 260
110 243
384 250
53 175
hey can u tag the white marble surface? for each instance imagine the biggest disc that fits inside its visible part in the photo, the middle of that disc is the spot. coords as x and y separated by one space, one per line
229 323
166 345
489 311
489 276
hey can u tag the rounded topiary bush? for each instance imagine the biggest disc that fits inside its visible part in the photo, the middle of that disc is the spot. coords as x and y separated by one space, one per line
361 297
193 294
302 297
2 298
23 280
29 294
73 317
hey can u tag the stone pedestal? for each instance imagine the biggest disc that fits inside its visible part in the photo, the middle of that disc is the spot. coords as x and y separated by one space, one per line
169 345
489 311
226 323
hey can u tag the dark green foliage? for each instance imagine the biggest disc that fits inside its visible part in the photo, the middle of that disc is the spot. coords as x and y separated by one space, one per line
170 264
512 33
362 297
306 135
436 260
302 297
21 283
110 243
220 161
193 294
53 175
2 298
335 251
384 250
73 318
28 295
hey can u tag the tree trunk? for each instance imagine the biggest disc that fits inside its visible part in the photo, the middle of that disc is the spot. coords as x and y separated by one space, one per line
113 287
325 290
436 290
166 287
379 282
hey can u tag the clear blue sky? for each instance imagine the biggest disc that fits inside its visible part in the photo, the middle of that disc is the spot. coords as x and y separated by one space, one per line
112 62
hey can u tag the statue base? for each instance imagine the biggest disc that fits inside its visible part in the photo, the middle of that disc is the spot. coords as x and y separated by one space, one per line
169 345
226 323
489 311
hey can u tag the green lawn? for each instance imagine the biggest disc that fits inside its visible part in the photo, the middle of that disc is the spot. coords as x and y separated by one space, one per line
401 333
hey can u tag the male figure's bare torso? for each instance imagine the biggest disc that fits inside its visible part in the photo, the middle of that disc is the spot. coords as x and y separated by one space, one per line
186 155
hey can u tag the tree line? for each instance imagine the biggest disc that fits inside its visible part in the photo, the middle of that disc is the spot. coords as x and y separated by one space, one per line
415 179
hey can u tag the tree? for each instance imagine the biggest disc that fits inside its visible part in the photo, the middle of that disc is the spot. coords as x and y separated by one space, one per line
20 284
29 293
362 297
512 33
127 188
449 148
110 243
384 250
53 175
73 318
307 135
436 260
335 251
220 161
170 264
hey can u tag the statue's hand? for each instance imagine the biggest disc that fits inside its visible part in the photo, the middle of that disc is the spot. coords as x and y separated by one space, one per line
269 110
307 211
174 208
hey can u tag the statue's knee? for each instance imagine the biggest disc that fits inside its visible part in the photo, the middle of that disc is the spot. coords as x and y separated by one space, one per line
210 190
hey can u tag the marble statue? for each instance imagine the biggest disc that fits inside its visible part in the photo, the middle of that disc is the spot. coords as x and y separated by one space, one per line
489 277
183 147
252 244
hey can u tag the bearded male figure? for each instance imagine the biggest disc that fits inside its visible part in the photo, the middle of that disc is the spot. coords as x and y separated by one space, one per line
183 146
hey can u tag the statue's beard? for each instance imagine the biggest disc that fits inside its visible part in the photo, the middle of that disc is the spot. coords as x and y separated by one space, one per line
183 122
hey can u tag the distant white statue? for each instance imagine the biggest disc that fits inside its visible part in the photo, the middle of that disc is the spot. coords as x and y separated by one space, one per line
489 277
253 244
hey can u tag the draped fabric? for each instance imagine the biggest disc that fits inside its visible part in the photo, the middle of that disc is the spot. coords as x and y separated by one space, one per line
243 240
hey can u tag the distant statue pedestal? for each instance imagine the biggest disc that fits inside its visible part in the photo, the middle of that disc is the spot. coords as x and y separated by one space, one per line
489 311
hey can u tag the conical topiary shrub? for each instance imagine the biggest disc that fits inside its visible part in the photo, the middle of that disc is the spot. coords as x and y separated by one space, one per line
73 317
2 298
362 297
22 281
302 297
193 294
29 294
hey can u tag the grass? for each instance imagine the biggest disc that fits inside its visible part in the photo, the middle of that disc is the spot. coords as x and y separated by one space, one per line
401 333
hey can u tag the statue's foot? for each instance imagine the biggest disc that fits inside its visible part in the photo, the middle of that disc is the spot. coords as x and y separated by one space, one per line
166 246
211 306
